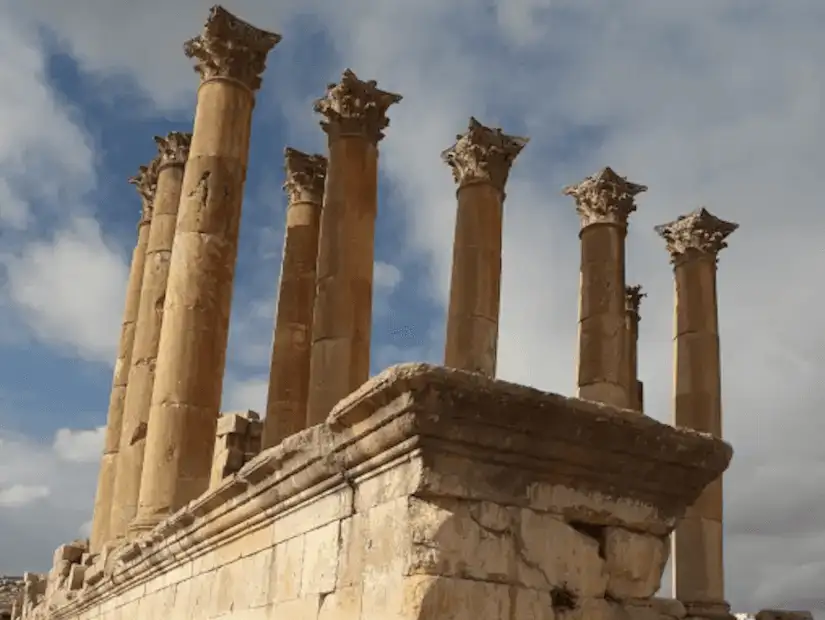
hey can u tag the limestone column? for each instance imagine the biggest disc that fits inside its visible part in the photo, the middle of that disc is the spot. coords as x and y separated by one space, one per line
480 160
694 242
186 396
286 407
145 183
604 202
633 299
354 117
172 153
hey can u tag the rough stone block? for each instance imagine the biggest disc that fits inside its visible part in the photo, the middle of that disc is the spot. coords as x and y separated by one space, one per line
553 555
76 574
288 569
320 559
634 563
654 609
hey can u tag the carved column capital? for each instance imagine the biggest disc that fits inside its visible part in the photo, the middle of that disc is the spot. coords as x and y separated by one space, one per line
355 107
173 150
146 182
483 155
231 48
633 299
700 233
605 198
305 176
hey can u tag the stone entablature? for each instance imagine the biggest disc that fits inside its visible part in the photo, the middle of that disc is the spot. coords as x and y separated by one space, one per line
427 493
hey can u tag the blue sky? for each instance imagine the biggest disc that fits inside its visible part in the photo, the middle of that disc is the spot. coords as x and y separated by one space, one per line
707 103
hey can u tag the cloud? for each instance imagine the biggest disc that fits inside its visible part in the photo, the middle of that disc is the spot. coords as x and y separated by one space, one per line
245 394
386 276
21 494
45 497
70 290
83 446
706 102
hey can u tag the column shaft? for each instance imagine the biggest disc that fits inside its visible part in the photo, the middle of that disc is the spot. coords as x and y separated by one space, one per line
604 203
147 334
188 383
108 466
286 409
475 284
694 242
354 115
602 337
698 568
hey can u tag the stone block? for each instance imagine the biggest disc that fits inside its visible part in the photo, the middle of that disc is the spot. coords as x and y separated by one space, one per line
533 605
592 609
456 538
634 563
304 608
554 555
71 553
320 559
654 609
343 604
76 574
287 569
782 614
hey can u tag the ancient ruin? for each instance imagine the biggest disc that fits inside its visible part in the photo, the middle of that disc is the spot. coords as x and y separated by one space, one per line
422 493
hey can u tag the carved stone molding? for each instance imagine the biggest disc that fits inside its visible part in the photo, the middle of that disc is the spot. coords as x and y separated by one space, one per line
146 182
173 150
305 175
484 155
355 107
605 197
697 233
231 48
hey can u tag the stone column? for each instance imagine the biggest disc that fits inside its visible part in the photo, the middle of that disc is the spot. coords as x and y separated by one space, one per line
633 299
694 242
480 160
172 153
286 406
604 202
101 533
186 396
354 116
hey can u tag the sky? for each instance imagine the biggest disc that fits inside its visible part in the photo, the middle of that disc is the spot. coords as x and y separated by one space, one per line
709 103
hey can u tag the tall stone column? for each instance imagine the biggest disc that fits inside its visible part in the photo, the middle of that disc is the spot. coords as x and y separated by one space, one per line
354 117
186 396
286 406
633 299
604 202
694 242
480 160
145 182
172 153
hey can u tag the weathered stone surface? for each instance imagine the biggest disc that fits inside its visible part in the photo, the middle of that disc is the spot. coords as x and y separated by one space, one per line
238 440
634 563
372 515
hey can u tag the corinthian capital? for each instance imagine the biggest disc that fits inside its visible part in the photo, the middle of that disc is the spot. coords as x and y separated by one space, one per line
698 233
605 197
633 298
231 48
146 182
354 107
173 150
483 155
305 176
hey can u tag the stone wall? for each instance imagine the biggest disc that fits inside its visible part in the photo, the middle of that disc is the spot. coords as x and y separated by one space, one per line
428 493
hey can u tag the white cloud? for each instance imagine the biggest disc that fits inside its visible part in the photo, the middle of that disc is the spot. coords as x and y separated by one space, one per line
21 494
386 277
84 446
705 102
70 289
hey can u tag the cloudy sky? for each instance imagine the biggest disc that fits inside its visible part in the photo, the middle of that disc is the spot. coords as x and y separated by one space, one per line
709 102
